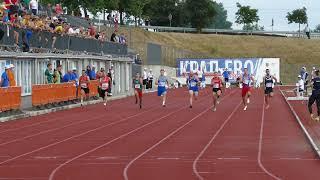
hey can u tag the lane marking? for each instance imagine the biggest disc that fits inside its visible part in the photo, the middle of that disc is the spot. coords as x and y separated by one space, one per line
51 177
260 144
125 171
229 158
194 165
164 158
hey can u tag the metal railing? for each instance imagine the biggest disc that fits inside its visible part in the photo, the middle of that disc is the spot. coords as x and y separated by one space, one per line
230 31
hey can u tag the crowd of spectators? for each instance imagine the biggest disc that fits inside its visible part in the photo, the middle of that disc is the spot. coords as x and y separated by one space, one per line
32 17
55 76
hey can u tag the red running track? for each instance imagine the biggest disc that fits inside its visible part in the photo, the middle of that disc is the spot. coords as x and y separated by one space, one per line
175 142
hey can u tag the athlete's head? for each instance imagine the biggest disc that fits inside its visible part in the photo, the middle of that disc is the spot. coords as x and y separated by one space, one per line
215 74
191 73
268 71
162 72
137 75
317 72
83 72
245 70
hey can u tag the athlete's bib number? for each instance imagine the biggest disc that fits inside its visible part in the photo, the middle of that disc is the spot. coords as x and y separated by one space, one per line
193 84
216 85
269 85
105 86
162 84
246 81
137 86
84 85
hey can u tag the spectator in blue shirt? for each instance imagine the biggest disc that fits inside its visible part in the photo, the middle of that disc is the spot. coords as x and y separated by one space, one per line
225 75
91 72
67 77
4 77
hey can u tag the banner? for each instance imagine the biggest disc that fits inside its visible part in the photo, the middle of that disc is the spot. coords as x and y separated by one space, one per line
256 66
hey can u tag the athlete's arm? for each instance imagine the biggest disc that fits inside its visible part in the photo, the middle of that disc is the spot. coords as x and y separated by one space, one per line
275 79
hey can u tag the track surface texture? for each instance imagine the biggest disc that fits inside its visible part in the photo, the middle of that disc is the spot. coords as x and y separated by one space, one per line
156 143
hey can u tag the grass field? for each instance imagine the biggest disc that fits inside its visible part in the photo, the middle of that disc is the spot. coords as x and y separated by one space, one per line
294 52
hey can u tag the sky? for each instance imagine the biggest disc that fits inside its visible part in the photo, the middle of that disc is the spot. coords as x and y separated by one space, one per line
276 9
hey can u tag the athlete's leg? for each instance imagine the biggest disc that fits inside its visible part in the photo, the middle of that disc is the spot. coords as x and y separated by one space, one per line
191 97
311 101
140 98
136 96
318 106
82 95
164 98
248 96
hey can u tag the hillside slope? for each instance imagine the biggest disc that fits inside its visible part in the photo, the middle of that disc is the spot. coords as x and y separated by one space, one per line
294 53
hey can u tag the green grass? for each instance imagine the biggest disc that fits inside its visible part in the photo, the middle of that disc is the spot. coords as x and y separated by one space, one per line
293 52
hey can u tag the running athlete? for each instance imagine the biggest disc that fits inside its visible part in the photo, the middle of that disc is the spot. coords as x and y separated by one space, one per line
216 84
246 80
104 86
162 84
84 81
268 82
315 96
226 77
193 86
137 85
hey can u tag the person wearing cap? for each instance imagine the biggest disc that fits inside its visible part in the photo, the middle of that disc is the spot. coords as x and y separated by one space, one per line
268 82
315 96
193 86
304 76
150 79
67 77
4 77
49 74
163 85
300 86
12 80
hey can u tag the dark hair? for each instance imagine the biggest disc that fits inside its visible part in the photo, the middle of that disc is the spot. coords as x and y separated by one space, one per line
317 72
49 64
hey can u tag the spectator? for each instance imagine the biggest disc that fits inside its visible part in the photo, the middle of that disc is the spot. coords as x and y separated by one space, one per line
58 9
122 39
109 90
111 71
49 74
307 30
113 37
300 87
10 74
93 73
67 77
150 79
56 77
34 6
304 76
145 77
59 69
4 77
75 77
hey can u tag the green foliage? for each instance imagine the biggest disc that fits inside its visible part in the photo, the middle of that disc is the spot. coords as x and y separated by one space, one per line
200 13
246 15
220 19
298 16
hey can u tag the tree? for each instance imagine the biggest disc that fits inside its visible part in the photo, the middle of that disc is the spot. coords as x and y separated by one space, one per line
317 28
200 13
298 16
136 8
220 19
246 15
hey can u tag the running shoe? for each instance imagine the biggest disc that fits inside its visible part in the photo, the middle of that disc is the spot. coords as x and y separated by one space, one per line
313 117
105 104
267 107
245 108
317 119
214 109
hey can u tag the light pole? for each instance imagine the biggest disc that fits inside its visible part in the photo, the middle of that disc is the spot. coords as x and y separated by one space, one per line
170 18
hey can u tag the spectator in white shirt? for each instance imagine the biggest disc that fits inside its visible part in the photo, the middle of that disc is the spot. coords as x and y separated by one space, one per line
145 77
150 79
34 6
300 86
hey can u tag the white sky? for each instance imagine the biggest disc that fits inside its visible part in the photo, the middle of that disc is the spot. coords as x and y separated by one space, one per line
276 9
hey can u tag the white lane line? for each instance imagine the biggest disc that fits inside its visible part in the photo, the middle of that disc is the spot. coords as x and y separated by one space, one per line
52 174
125 171
311 141
229 158
207 172
73 137
164 158
260 144
194 165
